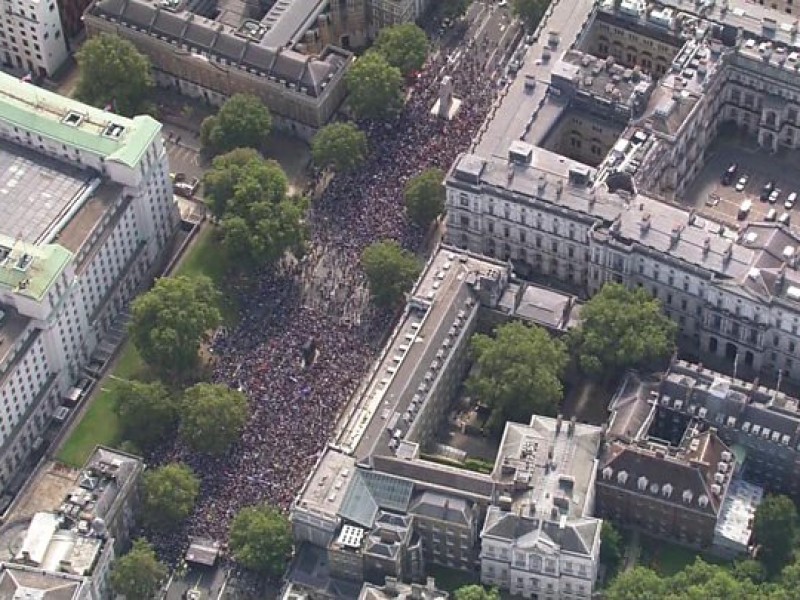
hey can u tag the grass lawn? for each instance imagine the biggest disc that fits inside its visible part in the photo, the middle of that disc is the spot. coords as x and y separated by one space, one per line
206 258
664 557
99 425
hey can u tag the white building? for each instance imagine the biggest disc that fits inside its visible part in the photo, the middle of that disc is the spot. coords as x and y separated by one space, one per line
539 540
86 210
31 36
71 547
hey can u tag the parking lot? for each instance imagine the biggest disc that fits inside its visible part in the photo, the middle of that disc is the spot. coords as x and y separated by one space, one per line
722 202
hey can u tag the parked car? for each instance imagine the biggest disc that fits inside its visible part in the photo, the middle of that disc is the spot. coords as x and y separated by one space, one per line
740 185
791 199
767 190
784 218
771 215
774 195
729 174
744 209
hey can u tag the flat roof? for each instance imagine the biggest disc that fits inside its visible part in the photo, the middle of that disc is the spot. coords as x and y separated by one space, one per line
442 295
517 109
324 490
558 458
44 113
35 193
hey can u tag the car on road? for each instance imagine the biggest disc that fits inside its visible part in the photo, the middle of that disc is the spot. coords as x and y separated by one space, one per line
740 185
791 199
774 195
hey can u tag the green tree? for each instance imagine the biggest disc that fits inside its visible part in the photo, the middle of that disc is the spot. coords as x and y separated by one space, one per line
775 530
220 181
138 574
622 328
147 412
242 122
169 321
342 146
403 46
112 71
169 494
213 417
751 570
375 87
518 373
610 546
390 270
476 592
639 583
260 220
530 11
261 539
425 196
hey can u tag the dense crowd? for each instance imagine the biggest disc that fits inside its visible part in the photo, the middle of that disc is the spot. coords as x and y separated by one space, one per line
323 297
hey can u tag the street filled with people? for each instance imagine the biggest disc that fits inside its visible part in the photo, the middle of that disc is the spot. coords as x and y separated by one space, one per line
322 300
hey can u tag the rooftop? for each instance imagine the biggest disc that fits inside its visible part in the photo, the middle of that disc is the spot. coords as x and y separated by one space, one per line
547 468
696 473
22 583
324 490
74 124
444 300
264 49
50 189
735 521
68 537
30 270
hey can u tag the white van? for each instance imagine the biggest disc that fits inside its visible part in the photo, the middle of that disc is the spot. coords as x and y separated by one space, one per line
744 209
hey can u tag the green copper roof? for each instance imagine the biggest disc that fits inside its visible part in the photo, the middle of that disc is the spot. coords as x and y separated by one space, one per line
41 112
45 264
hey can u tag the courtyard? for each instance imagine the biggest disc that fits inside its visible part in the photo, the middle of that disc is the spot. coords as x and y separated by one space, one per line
722 202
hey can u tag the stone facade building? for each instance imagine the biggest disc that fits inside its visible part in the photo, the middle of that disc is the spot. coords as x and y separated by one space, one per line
733 292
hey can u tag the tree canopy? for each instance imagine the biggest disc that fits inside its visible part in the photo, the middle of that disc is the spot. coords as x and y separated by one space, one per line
610 546
213 417
518 373
530 11
475 592
242 122
260 220
169 321
147 412
775 531
375 88
113 73
169 495
342 146
403 46
138 574
700 581
261 539
390 270
622 328
425 196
